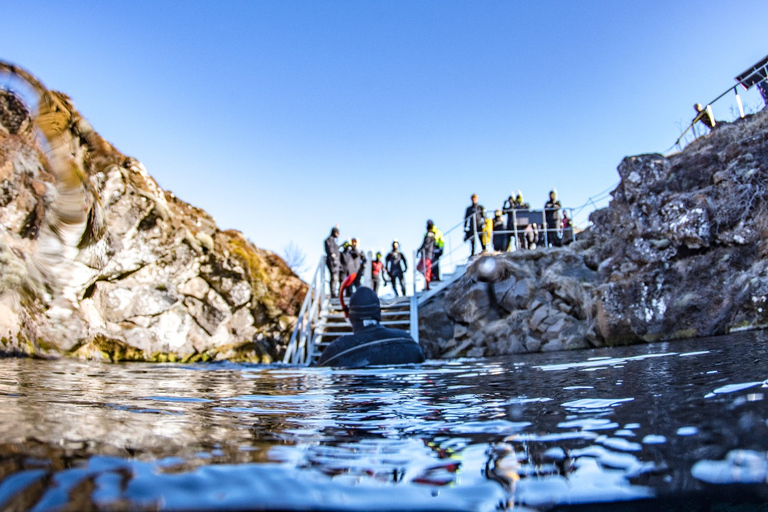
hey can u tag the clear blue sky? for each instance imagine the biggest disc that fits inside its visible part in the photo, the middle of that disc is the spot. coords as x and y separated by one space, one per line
283 118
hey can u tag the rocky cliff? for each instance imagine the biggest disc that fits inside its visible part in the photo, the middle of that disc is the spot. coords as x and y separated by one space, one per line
680 251
98 262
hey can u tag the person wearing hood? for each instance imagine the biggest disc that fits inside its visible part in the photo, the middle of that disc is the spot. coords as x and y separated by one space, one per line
353 261
474 220
344 262
521 205
357 262
333 260
704 115
377 271
500 235
514 225
552 219
396 267
427 253
434 238
508 209
371 343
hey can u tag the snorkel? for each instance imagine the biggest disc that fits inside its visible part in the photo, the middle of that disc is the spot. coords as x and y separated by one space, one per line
347 282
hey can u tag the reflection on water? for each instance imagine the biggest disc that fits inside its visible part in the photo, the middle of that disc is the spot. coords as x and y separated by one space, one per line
674 421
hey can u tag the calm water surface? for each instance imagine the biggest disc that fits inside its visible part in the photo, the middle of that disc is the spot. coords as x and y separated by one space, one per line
665 424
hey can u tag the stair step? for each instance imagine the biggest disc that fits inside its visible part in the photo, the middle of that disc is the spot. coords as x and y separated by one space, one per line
330 322
384 314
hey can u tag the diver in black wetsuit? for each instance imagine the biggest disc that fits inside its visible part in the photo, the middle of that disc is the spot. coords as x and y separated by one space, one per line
372 343
333 260
396 265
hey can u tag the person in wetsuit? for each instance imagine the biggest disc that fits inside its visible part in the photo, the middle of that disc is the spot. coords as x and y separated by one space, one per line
439 246
371 343
515 225
377 270
344 264
396 266
427 253
355 262
552 219
333 260
474 220
500 237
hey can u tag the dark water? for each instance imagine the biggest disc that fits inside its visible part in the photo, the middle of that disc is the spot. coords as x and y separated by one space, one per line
667 426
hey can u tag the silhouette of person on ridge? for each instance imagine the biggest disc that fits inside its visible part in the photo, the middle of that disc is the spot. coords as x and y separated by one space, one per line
371 343
704 115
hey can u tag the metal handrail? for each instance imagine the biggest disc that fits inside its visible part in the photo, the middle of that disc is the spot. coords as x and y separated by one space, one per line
450 259
301 344
308 330
707 109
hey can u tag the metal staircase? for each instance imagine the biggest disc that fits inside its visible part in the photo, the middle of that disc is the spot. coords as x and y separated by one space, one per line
399 313
321 320
436 287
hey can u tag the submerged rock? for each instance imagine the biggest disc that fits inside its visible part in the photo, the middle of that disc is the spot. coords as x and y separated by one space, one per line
98 262
680 251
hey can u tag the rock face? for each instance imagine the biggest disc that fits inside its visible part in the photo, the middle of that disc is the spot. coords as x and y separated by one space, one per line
681 251
98 262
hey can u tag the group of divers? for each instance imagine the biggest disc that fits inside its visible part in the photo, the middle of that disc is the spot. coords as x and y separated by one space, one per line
373 344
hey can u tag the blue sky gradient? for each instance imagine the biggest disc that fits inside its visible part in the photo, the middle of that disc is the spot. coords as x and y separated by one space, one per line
283 118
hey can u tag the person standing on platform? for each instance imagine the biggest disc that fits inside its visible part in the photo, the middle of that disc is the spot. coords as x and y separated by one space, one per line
344 262
567 229
520 206
333 260
439 246
508 209
377 270
552 220
427 253
500 236
474 220
355 263
396 266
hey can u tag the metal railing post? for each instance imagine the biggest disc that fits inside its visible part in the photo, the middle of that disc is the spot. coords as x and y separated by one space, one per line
514 229
738 101
415 264
322 285
414 318
711 115
295 352
546 228
367 280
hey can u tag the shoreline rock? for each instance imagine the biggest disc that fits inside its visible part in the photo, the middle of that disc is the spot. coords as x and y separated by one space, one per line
681 251
98 262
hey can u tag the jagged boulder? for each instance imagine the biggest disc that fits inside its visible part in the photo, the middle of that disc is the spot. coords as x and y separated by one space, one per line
98 262
681 251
